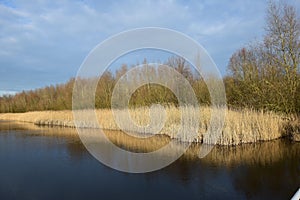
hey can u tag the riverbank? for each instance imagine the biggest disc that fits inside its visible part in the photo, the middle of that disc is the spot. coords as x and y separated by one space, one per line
246 126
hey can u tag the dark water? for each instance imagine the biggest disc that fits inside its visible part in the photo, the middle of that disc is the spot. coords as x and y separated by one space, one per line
51 163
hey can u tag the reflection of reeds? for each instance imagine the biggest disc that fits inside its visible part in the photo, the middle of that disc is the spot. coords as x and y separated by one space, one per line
263 154
245 126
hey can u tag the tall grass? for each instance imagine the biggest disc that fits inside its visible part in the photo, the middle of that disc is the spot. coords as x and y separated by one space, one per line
245 126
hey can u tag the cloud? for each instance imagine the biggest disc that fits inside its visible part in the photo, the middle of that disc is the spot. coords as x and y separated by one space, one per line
48 40
7 92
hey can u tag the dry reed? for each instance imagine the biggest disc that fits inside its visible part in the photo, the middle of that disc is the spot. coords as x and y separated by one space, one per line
246 126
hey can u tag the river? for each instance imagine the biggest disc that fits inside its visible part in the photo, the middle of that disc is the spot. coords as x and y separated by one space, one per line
52 163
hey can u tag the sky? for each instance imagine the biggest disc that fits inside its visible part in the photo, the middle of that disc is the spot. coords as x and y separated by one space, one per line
44 42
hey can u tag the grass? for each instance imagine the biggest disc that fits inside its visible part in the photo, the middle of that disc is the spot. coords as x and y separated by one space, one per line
246 126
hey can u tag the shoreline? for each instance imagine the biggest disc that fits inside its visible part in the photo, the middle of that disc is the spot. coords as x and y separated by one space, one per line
240 127
250 153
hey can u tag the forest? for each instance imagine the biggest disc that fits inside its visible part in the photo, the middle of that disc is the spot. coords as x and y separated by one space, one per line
263 75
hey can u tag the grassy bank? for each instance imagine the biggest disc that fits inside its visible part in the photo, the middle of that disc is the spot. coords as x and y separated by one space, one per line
245 126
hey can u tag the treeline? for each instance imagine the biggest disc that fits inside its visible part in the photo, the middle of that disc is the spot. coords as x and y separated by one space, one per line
264 75
59 97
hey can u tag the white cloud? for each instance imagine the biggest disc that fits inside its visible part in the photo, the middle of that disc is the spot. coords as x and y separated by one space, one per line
7 92
49 35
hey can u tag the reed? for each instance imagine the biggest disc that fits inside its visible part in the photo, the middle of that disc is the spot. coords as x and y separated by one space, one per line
245 126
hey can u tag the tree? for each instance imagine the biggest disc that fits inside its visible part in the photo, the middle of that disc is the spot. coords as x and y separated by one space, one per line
282 43
266 75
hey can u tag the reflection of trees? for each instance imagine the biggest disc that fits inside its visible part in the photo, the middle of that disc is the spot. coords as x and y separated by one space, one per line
72 145
76 150
262 154
8 125
266 170
281 177
263 170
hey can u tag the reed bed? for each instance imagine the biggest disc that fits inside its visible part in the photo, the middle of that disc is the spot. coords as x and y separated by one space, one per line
246 126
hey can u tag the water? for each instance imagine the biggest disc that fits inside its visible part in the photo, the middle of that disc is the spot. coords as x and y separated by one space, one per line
52 163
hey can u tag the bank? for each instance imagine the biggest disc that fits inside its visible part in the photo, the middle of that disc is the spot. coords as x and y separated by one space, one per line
243 126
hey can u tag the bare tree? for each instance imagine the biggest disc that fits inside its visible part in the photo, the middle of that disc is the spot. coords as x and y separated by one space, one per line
266 75
180 65
282 43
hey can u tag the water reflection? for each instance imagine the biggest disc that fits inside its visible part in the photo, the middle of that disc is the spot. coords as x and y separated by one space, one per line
29 154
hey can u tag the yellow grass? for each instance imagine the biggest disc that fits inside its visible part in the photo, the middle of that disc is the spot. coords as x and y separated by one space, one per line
245 126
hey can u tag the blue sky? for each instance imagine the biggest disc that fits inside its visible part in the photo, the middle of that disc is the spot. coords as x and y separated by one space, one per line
44 42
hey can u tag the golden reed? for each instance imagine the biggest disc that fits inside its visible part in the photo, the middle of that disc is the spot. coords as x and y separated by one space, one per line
245 126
